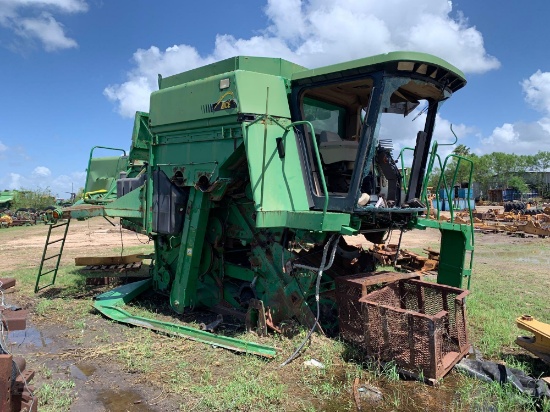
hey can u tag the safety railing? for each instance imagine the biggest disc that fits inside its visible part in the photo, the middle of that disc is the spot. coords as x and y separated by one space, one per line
105 193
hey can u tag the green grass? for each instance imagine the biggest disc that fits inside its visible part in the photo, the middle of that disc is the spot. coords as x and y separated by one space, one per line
503 288
501 398
56 396
509 279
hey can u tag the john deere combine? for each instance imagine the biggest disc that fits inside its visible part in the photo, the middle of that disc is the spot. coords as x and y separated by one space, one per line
247 172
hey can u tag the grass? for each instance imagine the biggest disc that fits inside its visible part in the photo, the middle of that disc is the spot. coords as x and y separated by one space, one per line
510 278
504 288
56 396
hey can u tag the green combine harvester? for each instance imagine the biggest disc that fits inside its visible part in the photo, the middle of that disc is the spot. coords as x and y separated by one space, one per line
248 173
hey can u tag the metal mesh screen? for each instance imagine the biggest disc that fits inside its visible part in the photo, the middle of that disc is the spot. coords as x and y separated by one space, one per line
348 293
419 325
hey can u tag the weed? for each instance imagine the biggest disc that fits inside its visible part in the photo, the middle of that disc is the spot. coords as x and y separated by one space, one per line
80 324
390 371
56 396
45 372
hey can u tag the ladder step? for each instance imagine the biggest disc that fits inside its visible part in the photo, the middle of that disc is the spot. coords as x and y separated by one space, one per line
59 225
45 273
55 241
51 257
43 287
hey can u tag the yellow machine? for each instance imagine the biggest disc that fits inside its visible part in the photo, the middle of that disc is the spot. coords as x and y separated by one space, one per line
539 343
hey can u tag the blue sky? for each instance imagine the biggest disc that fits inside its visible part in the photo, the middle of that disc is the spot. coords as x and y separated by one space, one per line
74 71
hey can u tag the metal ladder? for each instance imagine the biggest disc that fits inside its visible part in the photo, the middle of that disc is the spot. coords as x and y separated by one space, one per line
52 226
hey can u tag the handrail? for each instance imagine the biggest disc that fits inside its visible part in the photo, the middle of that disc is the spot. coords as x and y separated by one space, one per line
404 177
317 156
448 189
90 164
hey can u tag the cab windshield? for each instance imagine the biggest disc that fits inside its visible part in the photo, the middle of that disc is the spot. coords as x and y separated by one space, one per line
356 125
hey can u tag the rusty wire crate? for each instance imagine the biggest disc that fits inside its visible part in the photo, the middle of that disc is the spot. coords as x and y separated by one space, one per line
419 325
349 289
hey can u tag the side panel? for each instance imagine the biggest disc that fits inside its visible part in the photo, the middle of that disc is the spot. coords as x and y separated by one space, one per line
202 103
277 183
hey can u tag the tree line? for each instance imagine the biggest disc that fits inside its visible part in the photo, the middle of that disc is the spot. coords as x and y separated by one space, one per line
498 170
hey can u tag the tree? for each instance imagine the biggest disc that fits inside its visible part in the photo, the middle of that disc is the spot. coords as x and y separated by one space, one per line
516 182
37 199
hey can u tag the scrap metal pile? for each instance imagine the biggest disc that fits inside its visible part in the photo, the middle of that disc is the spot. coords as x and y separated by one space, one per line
16 394
515 222
391 255
25 217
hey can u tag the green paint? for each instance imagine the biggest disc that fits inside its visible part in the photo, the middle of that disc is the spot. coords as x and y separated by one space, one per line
109 304
245 193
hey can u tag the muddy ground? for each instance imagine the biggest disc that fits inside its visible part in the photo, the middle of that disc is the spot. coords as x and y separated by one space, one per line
56 346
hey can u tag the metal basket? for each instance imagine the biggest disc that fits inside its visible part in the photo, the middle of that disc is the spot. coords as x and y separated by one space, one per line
419 325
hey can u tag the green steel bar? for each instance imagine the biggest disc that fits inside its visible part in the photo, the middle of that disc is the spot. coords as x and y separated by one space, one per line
433 154
109 305
91 201
403 167
264 151
317 156
101 147
460 158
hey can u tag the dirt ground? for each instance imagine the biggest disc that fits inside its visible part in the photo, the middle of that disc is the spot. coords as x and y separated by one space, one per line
99 383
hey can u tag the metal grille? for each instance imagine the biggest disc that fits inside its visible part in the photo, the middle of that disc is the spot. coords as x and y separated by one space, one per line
419 325
348 292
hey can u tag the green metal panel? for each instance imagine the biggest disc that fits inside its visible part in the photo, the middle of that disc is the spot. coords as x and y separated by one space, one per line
141 138
380 62
129 205
277 184
266 65
197 152
6 197
184 288
203 100
456 241
451 258
310 220
109 304
103 172
252 94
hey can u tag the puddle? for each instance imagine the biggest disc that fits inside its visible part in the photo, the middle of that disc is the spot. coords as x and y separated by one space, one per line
29 336
401 395
81 371
124 400
86 368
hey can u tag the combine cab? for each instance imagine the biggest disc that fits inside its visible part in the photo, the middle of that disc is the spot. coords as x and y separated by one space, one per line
247 173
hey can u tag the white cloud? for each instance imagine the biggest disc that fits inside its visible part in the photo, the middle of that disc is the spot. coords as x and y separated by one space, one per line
42 178
33 20
49 31
3 147
316 33
41 171
14 181
402 131
537 91
521 137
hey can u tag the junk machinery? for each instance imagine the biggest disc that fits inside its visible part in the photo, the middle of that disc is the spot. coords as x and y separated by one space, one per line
247 173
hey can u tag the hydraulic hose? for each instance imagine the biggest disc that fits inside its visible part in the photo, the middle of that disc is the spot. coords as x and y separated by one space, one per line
320 271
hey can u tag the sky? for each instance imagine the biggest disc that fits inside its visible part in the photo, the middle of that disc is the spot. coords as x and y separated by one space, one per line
73 72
